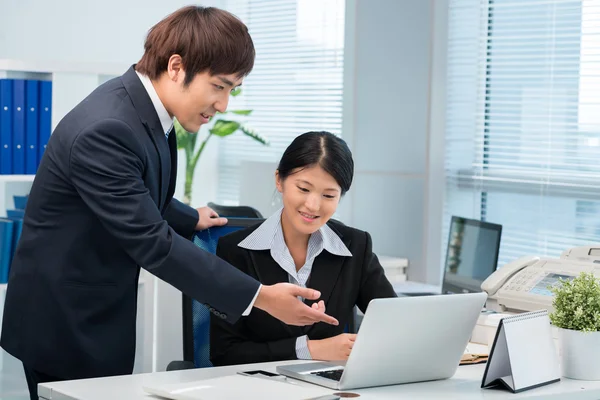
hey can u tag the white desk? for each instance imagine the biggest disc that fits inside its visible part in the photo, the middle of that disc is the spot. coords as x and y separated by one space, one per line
465 384
415 287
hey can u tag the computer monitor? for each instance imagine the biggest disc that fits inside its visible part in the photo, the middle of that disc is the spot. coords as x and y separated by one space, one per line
471 254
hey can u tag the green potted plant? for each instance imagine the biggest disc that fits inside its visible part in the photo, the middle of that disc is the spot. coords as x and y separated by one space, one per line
222 127
576 314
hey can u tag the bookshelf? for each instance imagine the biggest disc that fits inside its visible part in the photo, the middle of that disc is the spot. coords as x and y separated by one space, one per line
11 185
71 81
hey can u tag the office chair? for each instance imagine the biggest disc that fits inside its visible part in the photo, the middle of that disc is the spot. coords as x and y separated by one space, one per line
196 317
235 211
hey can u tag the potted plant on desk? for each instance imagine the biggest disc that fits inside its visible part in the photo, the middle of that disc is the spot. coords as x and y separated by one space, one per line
577 316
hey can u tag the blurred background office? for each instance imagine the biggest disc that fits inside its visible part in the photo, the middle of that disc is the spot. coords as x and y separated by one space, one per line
487 109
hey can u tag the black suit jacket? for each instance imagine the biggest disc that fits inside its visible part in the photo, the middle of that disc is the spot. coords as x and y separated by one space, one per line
100 208
343 282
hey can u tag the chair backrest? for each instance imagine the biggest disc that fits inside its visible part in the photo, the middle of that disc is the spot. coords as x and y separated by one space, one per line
235 211
196 317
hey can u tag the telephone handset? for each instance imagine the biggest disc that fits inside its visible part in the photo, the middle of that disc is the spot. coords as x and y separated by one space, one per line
504 273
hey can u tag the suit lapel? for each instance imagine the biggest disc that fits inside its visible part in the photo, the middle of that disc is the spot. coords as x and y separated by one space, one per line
172 175
324 275
147 113
326 269
268 272
325 272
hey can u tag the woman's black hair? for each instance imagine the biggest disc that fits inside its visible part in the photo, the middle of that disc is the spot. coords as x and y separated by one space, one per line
319 148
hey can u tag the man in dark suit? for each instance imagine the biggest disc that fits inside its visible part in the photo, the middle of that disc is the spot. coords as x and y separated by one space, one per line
101 206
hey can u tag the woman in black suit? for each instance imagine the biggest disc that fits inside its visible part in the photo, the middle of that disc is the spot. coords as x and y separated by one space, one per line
302 245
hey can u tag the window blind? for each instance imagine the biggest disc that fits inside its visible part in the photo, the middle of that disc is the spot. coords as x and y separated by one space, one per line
523 121
296 84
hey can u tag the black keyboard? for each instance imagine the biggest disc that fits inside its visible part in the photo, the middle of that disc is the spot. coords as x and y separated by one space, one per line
334 374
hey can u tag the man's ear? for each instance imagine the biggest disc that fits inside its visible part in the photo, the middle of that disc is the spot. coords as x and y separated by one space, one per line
278 183
175 68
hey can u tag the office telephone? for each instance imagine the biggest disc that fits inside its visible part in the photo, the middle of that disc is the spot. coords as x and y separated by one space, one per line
522 285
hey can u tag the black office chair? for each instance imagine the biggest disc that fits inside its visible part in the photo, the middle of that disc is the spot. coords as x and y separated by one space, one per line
235 211
196 317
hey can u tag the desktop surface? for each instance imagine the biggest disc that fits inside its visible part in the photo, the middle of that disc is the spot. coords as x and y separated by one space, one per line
465 384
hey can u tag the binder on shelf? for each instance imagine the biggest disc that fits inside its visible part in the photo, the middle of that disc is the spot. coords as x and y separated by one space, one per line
6 240
17 229
45 115
6 125
18 127
31 126
20 201
15 213
523 355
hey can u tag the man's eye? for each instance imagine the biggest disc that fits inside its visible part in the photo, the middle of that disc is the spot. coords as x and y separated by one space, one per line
328 196
219 87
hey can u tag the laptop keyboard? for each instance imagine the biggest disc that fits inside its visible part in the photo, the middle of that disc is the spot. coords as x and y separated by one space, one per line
334 374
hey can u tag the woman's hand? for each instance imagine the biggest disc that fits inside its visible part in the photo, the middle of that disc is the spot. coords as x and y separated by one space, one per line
332 349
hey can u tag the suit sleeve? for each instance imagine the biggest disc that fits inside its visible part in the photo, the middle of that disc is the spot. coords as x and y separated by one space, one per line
374 284
106 168
182 218
233 344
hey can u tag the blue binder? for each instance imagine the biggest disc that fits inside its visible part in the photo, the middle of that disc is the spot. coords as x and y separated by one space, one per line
17 229
20 201
15 213
31 126
6 239
45 114
6 126
18 126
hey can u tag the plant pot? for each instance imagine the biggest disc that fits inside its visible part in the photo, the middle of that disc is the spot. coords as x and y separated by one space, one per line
579 354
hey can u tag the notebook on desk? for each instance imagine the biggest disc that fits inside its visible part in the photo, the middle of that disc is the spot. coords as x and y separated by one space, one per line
471 256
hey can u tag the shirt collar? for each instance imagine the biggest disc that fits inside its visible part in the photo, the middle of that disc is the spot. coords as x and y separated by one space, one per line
263 238
163 115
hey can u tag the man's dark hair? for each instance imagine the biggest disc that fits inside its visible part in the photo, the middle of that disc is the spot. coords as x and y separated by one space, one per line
206 38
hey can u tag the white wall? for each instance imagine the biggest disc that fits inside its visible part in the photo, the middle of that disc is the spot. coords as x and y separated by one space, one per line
78 31
389 121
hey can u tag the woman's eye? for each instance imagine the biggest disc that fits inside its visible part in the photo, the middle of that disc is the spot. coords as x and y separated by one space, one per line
303 189
328 196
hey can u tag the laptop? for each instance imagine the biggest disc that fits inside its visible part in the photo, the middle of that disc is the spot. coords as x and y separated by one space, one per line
471 256
401 340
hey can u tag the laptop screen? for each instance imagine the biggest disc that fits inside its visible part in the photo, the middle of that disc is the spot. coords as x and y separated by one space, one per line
471 255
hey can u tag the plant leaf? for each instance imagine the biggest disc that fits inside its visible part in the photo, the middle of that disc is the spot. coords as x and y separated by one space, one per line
577 303
224 128
183 136
241 112
236 91
254 135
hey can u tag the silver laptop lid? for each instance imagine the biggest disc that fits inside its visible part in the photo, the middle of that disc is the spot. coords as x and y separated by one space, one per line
411 339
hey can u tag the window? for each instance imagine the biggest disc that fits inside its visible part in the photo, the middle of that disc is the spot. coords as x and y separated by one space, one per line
296 84
523 121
